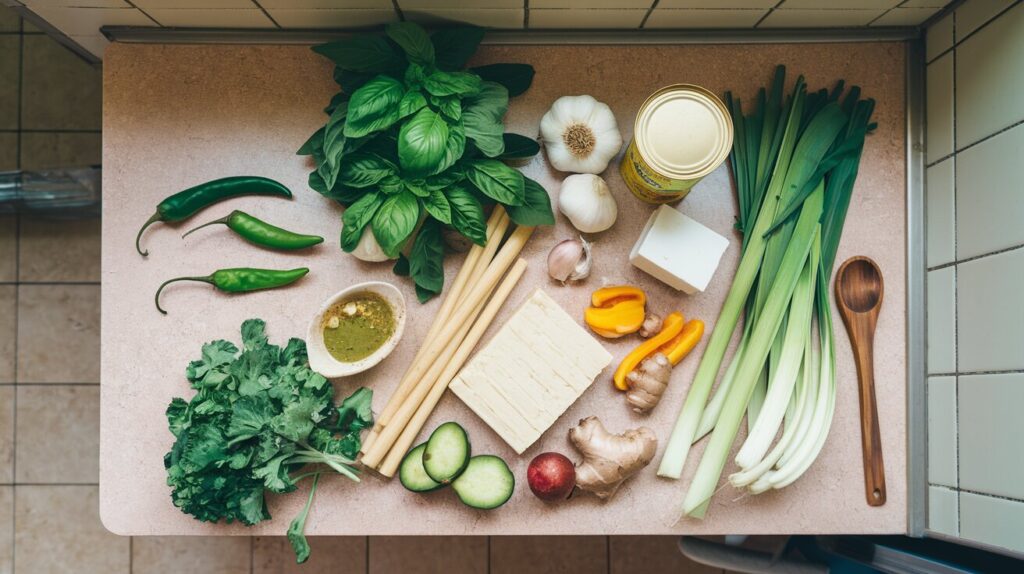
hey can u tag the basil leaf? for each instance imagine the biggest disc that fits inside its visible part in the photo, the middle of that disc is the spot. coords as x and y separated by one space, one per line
422 143
374 107
336 100
437 205
414 76
467 213
442 180
395 220
536 207
316 183
391 184
417 187
329 158
345 195
497 181
454 147
515 77
482 116
411 103
315 142
423 295
364 170
401 267
450 106
350 81
426 258
519 147
453 47
356 217
442 83
413 41
372 54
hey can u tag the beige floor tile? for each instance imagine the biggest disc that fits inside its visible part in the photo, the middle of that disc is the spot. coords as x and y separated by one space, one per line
8 248
427 554
59 250
60 91
549 554
6 435
336 554
60 149
59 334
6 529
8 331
652 555
58 434
57 529
207 554
8 148
9 57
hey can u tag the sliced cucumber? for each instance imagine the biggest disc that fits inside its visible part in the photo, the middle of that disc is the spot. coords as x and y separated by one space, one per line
447 453
411 473
486 483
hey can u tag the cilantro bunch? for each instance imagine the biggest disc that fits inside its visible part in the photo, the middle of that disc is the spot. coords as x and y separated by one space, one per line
258 415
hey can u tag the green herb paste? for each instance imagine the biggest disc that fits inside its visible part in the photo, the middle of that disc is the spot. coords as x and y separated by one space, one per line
357 326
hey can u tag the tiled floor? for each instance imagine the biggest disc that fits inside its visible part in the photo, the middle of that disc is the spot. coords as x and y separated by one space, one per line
49 388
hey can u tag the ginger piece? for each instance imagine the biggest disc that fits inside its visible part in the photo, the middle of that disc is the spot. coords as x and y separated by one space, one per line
651 326
609 459
648 382
672 327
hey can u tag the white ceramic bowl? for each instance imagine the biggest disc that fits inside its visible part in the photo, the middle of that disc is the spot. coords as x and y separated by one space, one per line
321 361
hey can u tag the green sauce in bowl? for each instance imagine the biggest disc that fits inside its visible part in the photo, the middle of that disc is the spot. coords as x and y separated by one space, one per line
355 327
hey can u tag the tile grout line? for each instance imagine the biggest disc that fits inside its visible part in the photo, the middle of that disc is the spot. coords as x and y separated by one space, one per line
650 11
978 373
144 13
973 257
954 153
767 14
267 14
976 30
526 26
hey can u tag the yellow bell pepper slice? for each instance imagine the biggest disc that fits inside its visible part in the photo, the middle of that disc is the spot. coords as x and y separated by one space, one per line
672 326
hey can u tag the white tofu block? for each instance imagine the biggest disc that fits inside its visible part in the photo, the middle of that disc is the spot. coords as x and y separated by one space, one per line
534 368
678 251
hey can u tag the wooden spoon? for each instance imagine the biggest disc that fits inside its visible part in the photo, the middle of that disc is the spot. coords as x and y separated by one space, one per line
859 292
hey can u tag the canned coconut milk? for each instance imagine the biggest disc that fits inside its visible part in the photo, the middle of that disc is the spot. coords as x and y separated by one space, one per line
681 134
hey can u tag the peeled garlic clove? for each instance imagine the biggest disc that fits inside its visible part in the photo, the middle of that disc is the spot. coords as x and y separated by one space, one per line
588 203
570 260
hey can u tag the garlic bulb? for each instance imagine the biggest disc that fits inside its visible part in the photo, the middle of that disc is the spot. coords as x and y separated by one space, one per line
569 260
588 203
580 134
368 249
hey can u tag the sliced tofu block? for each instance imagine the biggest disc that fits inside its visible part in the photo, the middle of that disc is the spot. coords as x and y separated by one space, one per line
533 369
678 251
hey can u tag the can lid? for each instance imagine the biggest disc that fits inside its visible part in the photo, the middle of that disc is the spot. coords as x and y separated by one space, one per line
684 131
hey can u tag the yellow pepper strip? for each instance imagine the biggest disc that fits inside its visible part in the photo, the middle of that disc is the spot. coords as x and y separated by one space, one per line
606 296
684 342
616 311
672 326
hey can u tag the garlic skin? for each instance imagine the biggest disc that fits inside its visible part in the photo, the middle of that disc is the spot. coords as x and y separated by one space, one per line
580 134
368 249
570 260
588 203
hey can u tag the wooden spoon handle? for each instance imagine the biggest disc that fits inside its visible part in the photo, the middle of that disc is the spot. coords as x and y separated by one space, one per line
871 438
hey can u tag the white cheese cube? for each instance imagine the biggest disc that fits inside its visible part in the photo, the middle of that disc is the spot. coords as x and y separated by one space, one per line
678 251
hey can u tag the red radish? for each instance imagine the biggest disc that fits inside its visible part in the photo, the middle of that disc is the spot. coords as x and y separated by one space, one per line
551 476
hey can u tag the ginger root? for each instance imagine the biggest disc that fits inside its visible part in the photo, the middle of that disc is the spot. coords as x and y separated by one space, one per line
647 382
651 326
609 459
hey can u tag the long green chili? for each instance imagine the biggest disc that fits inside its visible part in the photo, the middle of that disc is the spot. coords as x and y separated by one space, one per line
240 280
260 232
187 203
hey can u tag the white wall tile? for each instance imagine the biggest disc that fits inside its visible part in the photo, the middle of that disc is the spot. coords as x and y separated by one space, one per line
939 112
990 195
924 4
990 78
990 429
78 3
87 21
943 510
905 16
974 13
669 18
839 4
500 18
635 4
489 5
317 18
181 4
95 44
327 4
608 19
819 18
939 204
942 429
941 342
939 37
990 312
721 4
200 18
994 521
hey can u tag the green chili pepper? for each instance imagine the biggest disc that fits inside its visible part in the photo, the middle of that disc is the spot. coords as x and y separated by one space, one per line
185 204
241 280
262 233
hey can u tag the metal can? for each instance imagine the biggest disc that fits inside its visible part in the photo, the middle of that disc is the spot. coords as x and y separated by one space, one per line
682 133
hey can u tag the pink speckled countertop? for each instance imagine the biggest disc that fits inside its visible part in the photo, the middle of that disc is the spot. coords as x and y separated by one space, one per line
174 116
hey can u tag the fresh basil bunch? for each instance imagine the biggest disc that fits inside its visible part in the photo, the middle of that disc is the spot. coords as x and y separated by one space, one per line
412 141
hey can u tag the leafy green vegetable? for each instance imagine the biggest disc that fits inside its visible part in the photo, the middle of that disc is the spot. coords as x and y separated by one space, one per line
258 415
515 77
518 147
413 41
536 207
426 260
369 54
482 115
374 107
497 181
422 142
455 46
395 220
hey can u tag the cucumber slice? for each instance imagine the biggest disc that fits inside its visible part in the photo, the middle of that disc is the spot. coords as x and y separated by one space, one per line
411 473
447 453
486 483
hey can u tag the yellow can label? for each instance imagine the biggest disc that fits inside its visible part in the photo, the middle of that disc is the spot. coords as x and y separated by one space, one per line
649 185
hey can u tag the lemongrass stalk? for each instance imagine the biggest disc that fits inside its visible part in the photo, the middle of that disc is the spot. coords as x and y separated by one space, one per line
714 406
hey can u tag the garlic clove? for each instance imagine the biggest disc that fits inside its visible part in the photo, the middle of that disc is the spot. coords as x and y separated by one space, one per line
569 260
